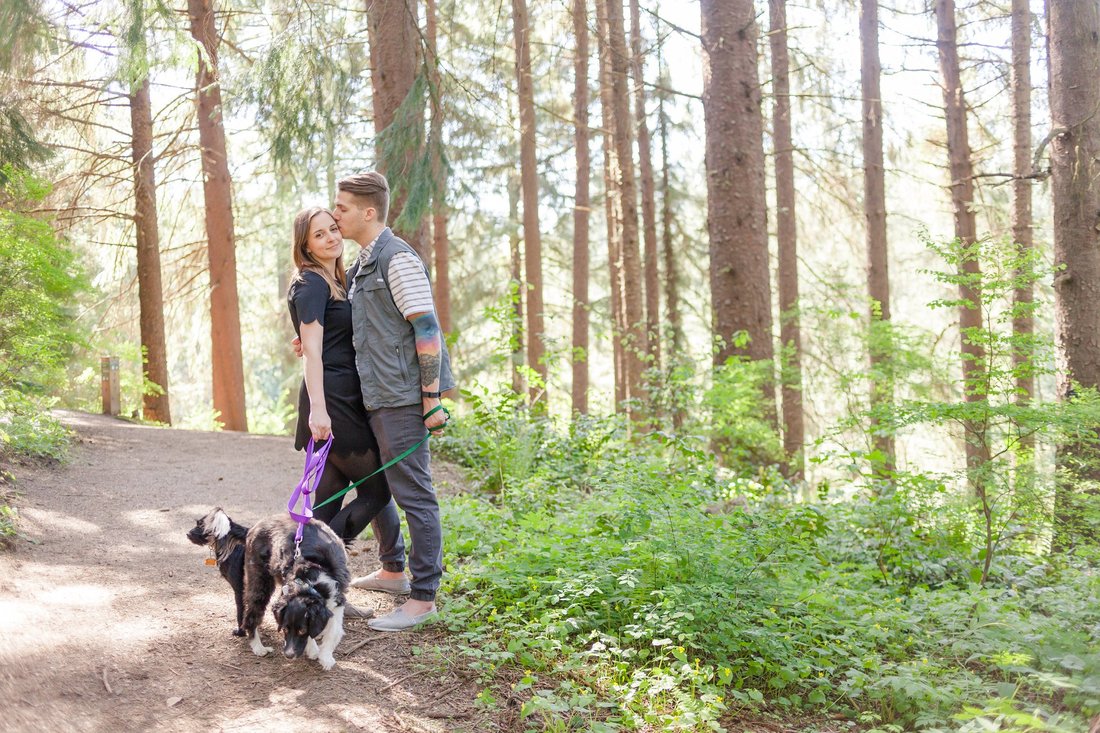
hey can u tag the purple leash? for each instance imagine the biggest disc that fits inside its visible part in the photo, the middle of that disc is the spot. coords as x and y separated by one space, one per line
315 466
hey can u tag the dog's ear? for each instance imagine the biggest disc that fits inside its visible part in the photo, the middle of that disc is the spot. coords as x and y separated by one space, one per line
319 616
279 610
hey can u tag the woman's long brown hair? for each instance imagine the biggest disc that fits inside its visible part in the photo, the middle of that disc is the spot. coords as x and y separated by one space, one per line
303 260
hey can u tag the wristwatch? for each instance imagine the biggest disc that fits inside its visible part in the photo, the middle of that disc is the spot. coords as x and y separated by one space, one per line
436 395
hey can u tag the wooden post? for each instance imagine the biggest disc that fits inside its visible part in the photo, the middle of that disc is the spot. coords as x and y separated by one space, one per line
108 384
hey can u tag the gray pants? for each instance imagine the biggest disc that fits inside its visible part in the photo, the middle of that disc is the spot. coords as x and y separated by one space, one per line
397 429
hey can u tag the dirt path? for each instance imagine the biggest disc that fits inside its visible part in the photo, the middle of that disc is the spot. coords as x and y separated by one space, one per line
111 621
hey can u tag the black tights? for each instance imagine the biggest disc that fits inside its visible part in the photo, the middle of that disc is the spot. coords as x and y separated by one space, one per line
371 496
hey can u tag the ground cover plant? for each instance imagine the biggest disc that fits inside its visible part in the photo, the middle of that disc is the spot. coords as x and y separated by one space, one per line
591 577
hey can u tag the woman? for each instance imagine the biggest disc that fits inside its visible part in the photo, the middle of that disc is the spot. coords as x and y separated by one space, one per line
330 402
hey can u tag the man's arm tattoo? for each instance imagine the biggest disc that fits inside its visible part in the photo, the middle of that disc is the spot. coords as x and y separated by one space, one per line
429 348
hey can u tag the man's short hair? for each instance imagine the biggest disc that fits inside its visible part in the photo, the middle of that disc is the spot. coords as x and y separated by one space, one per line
372 189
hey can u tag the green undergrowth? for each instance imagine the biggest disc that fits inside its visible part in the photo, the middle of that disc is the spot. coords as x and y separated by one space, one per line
586 578
28 432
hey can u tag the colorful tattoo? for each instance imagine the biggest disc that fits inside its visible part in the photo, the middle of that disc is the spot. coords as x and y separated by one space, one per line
429 347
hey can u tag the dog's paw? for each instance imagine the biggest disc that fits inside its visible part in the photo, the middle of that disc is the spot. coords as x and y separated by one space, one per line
258 647
312 650
238 631
327 662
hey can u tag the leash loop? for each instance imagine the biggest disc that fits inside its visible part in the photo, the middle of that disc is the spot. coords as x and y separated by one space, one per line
311 477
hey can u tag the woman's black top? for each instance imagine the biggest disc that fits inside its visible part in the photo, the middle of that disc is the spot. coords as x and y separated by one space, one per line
309 300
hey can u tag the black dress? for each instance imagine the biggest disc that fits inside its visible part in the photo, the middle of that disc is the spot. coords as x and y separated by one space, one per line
354 452
309 301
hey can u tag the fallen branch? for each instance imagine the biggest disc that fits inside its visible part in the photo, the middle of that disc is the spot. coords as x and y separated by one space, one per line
106 684
397 682
361 644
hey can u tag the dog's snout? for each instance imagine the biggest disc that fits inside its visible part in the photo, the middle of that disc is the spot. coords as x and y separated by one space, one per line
289 653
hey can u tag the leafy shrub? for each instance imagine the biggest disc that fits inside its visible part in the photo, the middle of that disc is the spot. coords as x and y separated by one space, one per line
586 575
37 285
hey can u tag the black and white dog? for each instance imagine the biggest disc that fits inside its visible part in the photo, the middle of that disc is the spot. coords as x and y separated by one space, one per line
310 606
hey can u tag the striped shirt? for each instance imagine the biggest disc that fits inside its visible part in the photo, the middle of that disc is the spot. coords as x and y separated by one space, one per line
408 282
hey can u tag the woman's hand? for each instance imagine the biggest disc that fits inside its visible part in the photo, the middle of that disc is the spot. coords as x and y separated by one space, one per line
320 424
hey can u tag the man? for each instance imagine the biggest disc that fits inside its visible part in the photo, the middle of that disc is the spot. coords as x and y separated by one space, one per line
403 367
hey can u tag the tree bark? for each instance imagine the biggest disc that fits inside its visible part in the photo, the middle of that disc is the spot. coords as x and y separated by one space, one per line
740 276
532 240
394 41
1023 324
515 243
612 212
441 271
1075 170
786 235
874 209
150 293
672 286
225 319
626 192
581 209
649 208
962 200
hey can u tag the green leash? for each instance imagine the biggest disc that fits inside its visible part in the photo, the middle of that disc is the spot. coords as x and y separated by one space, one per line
394 462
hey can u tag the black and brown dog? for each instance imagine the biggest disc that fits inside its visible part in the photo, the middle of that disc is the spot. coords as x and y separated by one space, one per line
310 608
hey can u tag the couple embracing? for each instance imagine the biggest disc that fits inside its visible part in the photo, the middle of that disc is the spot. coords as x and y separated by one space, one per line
375 365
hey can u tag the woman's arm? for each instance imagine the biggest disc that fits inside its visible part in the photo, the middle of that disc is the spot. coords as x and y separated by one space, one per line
312 338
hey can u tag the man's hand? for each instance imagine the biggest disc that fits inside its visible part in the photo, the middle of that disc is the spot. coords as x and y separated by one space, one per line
435 423
296 344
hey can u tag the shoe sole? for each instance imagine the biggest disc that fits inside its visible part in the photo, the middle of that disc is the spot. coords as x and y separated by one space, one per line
403 628
404 591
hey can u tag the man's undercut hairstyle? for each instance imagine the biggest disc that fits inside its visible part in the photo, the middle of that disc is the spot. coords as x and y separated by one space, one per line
372 190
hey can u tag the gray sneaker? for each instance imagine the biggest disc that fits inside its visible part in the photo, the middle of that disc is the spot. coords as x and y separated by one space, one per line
399 620
397 586
351 611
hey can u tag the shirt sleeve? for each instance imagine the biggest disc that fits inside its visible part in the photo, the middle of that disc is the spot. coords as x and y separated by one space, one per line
409 285
310 297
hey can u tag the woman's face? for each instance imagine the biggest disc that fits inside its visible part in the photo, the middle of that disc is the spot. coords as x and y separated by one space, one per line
324 241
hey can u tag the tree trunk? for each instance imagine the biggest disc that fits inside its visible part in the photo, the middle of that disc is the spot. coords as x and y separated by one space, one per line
581 209
786 235
612 213
514 246
330 160
532 240
441 287
1023 324
612 27
394 40
225 319
649 213
874 209
1075 170
740 276
962 200
150 294
672 287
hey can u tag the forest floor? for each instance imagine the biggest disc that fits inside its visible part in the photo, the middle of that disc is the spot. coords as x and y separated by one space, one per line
111 620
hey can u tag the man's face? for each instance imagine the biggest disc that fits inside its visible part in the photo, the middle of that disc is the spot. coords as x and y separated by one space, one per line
351 218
